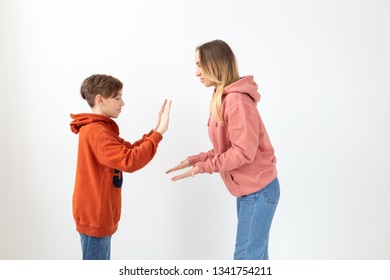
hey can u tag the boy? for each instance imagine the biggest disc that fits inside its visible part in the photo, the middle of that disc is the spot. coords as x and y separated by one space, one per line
102 156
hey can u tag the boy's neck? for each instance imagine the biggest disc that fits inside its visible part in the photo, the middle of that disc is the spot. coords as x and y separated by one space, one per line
96 110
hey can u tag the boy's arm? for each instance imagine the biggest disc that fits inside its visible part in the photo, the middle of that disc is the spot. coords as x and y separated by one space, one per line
114 153
136 143
161 127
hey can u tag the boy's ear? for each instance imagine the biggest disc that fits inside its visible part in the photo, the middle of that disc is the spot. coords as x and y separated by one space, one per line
98 99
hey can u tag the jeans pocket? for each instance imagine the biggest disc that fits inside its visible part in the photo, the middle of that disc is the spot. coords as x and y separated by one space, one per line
271 192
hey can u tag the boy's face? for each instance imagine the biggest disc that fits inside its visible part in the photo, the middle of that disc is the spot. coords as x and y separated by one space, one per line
111 107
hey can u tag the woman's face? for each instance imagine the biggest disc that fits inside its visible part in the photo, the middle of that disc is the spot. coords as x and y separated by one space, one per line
199 72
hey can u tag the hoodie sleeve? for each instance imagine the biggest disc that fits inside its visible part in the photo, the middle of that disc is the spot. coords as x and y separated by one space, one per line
137 143
200 157
243 133
111 152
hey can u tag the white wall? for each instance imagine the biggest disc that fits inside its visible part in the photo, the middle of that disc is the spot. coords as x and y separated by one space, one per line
323 68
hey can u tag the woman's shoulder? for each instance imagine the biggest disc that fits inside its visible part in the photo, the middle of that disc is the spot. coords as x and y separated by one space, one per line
236 98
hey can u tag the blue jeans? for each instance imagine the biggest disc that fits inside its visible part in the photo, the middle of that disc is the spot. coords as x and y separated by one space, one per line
95 248
255 213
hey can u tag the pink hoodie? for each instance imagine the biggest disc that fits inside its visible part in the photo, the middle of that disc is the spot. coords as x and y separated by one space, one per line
242 151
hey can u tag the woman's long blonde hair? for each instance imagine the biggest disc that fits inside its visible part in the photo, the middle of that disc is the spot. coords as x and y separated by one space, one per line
219 65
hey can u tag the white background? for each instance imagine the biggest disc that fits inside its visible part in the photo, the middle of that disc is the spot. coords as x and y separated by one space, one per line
323 68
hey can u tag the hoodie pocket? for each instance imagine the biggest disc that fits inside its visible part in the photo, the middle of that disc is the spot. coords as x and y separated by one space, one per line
241 176
229 181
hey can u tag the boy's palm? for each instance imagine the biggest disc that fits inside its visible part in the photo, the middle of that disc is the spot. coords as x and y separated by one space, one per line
163 117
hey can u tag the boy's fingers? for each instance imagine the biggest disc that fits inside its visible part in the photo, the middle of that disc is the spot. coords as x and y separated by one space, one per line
167 106
163 106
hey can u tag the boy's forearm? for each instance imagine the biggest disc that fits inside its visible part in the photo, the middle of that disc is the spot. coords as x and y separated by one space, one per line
120 157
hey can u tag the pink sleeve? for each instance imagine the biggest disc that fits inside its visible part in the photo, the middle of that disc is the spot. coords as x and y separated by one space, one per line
242 121
200 157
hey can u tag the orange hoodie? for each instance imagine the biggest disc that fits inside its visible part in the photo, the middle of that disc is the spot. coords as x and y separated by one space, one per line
242 151
102 156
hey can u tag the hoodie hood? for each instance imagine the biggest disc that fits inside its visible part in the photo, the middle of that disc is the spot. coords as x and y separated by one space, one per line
80 120
244 85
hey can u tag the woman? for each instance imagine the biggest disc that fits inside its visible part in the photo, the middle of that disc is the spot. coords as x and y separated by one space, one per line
242 152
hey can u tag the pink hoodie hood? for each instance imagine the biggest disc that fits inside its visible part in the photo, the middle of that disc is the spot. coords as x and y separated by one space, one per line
242 151
245 85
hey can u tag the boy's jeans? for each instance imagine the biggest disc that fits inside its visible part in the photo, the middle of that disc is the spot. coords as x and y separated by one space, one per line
255 213
95 248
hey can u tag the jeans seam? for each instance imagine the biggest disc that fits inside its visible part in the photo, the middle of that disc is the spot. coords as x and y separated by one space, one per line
251 207
250 227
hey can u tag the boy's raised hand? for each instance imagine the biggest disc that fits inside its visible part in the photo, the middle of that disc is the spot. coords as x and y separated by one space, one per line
163 117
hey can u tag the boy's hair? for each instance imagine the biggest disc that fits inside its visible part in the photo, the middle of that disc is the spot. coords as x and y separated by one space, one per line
99 84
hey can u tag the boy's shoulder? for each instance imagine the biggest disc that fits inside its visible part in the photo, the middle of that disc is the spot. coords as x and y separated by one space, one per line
96 128
93 123
97 135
